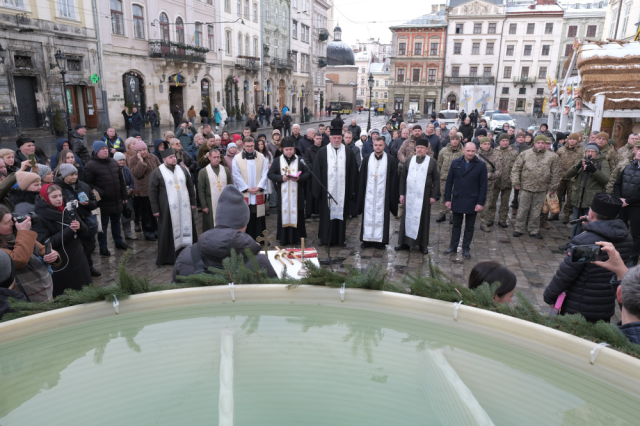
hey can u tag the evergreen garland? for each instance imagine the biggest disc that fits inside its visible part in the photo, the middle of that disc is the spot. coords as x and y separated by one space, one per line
227 93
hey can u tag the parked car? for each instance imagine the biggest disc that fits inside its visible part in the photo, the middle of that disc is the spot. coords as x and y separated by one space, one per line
488 115
498 120
449 116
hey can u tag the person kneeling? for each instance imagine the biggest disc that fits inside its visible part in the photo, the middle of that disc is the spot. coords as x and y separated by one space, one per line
215 245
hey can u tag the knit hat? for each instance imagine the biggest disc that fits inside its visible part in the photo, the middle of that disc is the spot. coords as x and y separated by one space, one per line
232 211
79 126
25 179
43 170
422 142
592 146
606 205
119 156
485 139
503 136
22 140
481 132
236 138
603 135
272 133
636 144
531 128
232 145
377 131
136 134
575 136
167 153
7 270
262 135
67 169
140 145
542 138
98 145
560 136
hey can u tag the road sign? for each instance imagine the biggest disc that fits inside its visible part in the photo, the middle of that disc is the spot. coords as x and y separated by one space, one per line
95 78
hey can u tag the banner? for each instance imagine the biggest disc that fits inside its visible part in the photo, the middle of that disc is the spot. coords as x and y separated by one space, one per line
466 98
478 97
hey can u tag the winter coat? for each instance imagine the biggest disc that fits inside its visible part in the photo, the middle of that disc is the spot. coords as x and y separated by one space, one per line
23 247
141 170
186 138
267 112
466 188
261 111
191 113
204 113
253 125
568 157
213 247
507 158
627 185
78 147
310 155
367 147
104 176
187 160
447 155
287 121
5 187
610 153
631 330
387 137
615 173
73 271
26 198
407 149
53 161
127 119
277 122
152 116
434 141
356 152
588 287
596 182
116 143
70 193
217 117
156 151
137 121
521 148
355 131
493 171
536 171
303 144
19 157
467 132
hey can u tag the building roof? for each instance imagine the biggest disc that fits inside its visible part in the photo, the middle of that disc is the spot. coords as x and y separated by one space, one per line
363 56
535 9
339 53
454 3
428 20
380 67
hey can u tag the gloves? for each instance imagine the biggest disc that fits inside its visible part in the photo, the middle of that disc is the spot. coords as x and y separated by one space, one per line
591 168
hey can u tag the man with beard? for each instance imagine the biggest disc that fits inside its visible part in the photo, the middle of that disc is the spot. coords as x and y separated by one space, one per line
249 172
289 175
336 167
173 200
418 190
211 182
568 156
408 148
377 195
313 204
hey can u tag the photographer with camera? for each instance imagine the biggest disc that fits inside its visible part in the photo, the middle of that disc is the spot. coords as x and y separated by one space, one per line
64 230
588 286
32 275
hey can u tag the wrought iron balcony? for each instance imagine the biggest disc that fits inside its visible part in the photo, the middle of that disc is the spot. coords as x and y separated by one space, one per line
323 34
282 64
177 51
523 79
469 80
322 61
249 63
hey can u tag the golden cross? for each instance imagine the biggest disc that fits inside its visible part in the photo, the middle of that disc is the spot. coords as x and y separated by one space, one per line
265 240
286 170
177 187
375 177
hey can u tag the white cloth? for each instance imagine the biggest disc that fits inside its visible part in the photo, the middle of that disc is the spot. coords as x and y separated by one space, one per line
179 206
416 185
374 199
336 177
252 177
289 193
216 185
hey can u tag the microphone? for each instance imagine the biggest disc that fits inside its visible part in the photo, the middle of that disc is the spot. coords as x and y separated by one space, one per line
579 220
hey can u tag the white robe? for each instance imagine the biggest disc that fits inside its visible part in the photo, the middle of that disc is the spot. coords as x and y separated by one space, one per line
336 179
416 185
179 206
373 227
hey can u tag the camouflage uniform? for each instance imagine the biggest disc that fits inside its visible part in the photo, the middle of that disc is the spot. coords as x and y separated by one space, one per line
624 152
545 216
567 157
535 172
624 162
445 158
488 214
506 157
610 153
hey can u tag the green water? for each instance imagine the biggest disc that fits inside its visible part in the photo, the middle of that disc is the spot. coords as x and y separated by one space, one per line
293 365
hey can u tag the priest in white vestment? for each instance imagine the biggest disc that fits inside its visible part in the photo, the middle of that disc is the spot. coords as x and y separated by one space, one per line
211 181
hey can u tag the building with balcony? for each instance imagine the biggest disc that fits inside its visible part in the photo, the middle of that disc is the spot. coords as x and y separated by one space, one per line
417 63
320 11
278 62
362 63
379 51
473 51
301 82
380 72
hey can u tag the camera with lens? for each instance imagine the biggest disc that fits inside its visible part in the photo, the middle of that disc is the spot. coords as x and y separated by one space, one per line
72 206
21 217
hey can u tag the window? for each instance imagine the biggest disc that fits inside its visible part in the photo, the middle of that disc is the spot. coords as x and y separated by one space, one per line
239 7
548 28
492 28
432 75
227 6
377 83
416 75
164 27
473 71
73 64
504 104
545 49
199 34
542 72
227 42
459 28
434 49
15 3
255 12
294 30
179 30
475 49
513 28
386 83
525 71
477 28
117 18
66 8
489 48
522 91
362 81
246 10
572 31
540 91
510 50
212 44
505 91
255 47
239 44
507 72
361 92
455 71
614 18
400 75
568 48
275 14
363 70
531 28
623 30
520 104
138 22
457 48
402 49
591 30
246 45
295 4
267 14
305 62
527 50
417 49
487 72
385 95
276 47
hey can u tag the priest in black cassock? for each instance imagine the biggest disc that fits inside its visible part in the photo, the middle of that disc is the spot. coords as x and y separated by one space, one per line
289 175
377 195
335 165
419 188
173 201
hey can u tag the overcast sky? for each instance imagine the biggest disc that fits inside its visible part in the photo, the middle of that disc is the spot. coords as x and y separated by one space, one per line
362 19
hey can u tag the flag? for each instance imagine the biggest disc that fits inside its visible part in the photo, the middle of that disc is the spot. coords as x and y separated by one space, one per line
177 77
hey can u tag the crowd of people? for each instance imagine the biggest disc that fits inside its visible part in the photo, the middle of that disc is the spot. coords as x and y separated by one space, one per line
54 209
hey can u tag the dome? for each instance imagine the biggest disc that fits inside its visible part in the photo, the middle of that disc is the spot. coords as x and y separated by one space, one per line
337 29
340 53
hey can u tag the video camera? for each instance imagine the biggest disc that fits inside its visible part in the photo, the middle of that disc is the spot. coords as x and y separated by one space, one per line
21 217
72 206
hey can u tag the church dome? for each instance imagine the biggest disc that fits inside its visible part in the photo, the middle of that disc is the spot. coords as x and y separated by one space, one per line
339 52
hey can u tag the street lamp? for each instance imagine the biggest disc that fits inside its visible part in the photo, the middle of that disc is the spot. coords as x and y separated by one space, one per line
302 117
370 81
61 61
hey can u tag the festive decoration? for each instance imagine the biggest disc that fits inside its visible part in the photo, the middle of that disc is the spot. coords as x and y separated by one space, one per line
232 112
553 96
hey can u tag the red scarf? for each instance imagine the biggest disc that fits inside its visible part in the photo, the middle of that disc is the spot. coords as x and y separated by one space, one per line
45 196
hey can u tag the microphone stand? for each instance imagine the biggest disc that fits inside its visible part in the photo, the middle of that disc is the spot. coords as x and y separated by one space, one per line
330 198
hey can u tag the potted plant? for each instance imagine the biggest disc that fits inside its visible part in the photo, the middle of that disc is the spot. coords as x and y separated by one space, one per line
232 114
58 123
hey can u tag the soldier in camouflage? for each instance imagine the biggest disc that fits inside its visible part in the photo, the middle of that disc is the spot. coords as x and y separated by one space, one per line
607 150
449 153
568 156
627 150
494 172
548 145
535 174
506 156
624 162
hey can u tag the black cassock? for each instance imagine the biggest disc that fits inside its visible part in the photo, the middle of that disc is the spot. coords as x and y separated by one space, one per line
290 235
320 169
160 204
432 190
312 206
391 195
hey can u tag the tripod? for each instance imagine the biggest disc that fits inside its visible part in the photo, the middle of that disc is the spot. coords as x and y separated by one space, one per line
330 198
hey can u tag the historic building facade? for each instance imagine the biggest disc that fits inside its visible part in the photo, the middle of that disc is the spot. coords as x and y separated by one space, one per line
621 21
301 83
278 57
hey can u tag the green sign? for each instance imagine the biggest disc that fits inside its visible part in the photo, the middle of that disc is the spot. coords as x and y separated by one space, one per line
95 78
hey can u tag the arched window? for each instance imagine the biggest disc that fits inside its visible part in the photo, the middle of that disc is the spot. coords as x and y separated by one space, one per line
239 44
179 30
211 38
164 27
198 34
117 26
246 45
138 22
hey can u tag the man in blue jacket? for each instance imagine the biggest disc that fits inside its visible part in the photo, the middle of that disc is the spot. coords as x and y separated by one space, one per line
136 120
465 194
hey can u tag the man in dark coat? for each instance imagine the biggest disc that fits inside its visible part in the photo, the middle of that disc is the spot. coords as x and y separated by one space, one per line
252 123
419 189
137 121
173 201
277 122
176 113
287 123
377 195
587 286
103 174
434 140
628 294
627 187
290 186
77 143
267 115
261 113
395 144
465 194
26 146
313 204
467 130
306 141
354 129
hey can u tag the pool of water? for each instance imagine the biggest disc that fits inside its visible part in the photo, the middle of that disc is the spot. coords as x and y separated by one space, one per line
292 365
